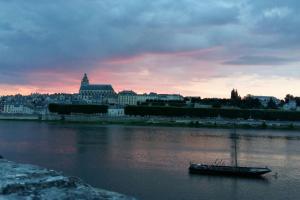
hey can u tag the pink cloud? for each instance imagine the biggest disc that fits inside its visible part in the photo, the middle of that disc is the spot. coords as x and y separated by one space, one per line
158 72
139 57
195 73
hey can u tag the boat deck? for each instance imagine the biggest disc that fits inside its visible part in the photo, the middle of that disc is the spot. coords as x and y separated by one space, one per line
228 170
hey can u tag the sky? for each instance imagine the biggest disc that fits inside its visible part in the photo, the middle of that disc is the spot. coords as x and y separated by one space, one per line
191 47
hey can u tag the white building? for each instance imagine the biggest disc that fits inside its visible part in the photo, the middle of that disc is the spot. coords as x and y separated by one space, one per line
159 97
146 97
17 109
170 97
127 97
115 111
291 105
264 100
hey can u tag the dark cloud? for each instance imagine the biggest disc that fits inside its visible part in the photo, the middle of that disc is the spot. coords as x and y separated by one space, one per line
54 33
276 22
260 60
77 35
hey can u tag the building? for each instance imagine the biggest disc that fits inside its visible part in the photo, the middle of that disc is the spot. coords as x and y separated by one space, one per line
291 105
115 111
12 108
97 93
127 97
1 105
159 97
146 97
170 97
264 100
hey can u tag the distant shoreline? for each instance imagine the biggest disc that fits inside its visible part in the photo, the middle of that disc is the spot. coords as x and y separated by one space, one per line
158 121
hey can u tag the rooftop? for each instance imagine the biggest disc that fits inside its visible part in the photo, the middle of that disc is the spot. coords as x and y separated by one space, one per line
96 87
127 92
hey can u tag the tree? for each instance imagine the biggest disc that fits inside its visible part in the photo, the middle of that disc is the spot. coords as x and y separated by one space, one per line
281 103
67 109
213 112
217 104
250 103
297 99
235 99
288 97
272 104
235 95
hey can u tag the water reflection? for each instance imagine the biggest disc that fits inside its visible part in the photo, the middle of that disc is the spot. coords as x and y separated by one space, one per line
151 163
232 179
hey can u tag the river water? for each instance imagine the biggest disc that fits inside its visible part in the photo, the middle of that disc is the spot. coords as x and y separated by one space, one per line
152 162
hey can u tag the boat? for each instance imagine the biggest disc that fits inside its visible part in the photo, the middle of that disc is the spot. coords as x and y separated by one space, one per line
218 168
227 170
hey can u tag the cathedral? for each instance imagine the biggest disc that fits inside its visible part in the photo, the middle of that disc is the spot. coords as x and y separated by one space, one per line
97 93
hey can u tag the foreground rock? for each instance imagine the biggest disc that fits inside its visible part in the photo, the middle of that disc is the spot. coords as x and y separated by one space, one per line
20 181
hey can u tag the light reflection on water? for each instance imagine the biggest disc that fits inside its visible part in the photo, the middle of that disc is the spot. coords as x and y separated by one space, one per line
151 163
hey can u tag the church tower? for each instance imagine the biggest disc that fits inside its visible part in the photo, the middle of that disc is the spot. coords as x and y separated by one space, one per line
85 80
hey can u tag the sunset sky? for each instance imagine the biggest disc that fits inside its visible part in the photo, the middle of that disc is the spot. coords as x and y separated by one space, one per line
191 47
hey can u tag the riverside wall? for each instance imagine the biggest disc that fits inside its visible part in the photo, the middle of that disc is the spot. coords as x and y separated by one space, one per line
156 120
19 117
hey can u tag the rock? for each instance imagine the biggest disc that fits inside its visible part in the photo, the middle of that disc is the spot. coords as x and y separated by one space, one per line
20 181
1 157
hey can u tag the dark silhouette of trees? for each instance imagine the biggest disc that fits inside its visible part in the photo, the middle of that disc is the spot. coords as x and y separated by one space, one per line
272 104
215 102
234 95
288 97
250 103
247 103
235 99
297 99
262 114
67 109
193 99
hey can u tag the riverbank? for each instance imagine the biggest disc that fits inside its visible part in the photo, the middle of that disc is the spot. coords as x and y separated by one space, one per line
203 123
22 181
159 121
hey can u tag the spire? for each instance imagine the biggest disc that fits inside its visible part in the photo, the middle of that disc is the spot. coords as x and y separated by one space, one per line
85 80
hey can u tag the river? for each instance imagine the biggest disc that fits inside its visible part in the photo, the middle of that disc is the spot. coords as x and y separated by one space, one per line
152 162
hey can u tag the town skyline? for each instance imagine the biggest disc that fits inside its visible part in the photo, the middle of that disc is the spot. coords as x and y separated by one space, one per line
75 89
149 99
191 47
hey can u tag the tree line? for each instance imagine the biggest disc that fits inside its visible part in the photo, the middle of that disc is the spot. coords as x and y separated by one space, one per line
262 114
169 111
67 109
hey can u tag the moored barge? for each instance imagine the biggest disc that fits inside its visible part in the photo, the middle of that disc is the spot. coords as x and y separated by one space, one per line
228 170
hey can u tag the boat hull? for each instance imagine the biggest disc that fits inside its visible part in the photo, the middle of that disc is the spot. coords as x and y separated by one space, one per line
228 170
